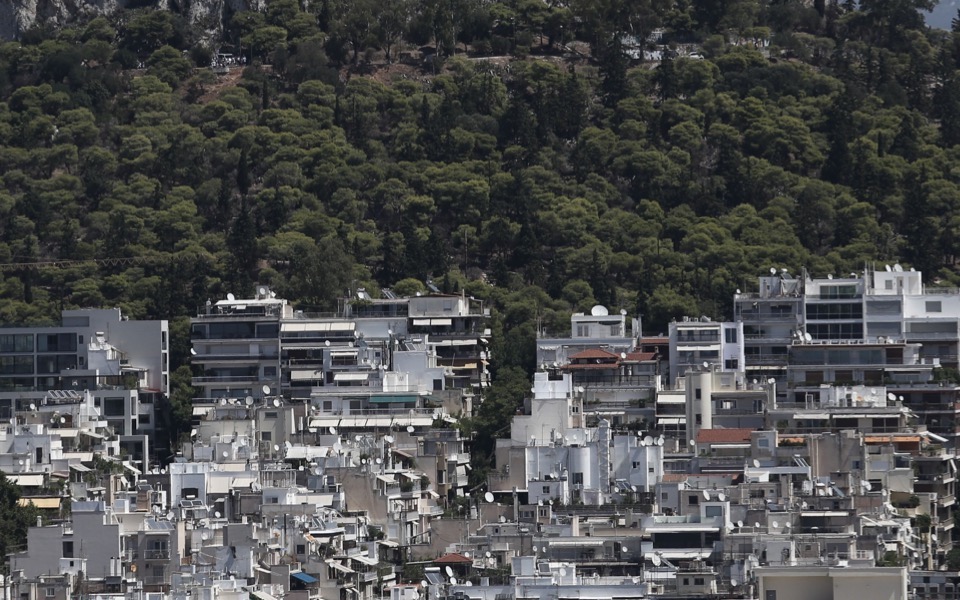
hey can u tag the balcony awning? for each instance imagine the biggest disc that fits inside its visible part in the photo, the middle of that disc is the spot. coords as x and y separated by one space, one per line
818 416
314 326
306 374
671 399
345 352
27 480
671 420
40 502
351 376
262 595
428 322
454 343
574 543
81 468
405 398
339 567
304 577
825 513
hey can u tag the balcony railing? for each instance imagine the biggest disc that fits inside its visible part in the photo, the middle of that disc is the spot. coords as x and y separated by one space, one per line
157 555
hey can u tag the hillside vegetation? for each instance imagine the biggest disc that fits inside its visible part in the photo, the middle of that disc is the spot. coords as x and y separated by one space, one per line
369 144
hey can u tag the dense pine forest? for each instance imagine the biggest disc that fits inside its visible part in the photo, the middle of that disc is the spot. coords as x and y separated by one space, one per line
512 150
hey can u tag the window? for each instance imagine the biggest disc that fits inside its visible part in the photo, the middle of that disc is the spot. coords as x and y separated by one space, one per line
731 364
578 479
113 407
546 489
695 499
650 470
713 511
301 548
934 306
51 592
16 343
266 436
698 581
730 336
68 549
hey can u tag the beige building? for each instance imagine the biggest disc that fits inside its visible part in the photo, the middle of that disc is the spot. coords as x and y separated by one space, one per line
831 583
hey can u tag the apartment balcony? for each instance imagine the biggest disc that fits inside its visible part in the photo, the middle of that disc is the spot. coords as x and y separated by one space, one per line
228 379
156 555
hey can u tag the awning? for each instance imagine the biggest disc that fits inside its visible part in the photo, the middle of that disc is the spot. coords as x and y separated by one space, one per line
315 326
406 399
40 502
199 411
65 432
678 528
370 562
683 554
819 416
80 468
262 595
93 434
454 343
131 468
671 420
671 399
306 374
339 567
428 322
351 376
388 543
345 352
304 577
573 543
27 480
825 513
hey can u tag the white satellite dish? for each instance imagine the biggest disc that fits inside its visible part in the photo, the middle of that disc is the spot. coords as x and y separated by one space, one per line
223 401
276 447
216 514
655 559
287 445
535 549
468 583
224 454
231 297
891 396
332 430
706 365
378 460
866 485
489 498
248 400
205 535
739 523
276 403
487 554
693 442
756 463
599 310
33 406
363 461
337 446
503 519
357 438
388 439
887 267
563 572
660 441
424 582
63 420
775 525
807 337
721 497
262 290
733 583
706 495
648 441
466 554
265 389
773 270
756 525
449 571
410 429
623 312
436 416
193 352
623 356
453 581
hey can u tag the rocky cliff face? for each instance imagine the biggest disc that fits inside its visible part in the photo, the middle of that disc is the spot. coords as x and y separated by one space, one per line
16 16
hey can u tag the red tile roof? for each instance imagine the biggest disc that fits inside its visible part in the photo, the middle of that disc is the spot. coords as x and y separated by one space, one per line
591 353
641 356
723 436
579 366
453 559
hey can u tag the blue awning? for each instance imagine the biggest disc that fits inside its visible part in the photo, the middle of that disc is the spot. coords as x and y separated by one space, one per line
304 577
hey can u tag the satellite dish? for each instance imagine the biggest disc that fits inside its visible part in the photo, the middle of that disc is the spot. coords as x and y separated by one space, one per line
63 420
276 403
489 498
224 454
599 311
563 572
276 447
623 356
739 523
216 514
660 441
706 365
756 525
33 406
738 291
332 430
887 267
466 554
424 583
487 554
623 312
891 396
468 583
436 416
898 268
866 485
648 441
775 525
706 495
503 519
363 461
453 581
262 290
379 460
337 446
721 497
733 582
655 559
807 336
535 549
388 439
410 429
193 352
693 442
266 390
756 463
773 270
449 571
326 343
223 401
231 297
357 438
287 445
